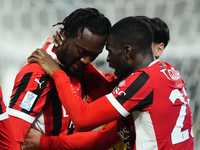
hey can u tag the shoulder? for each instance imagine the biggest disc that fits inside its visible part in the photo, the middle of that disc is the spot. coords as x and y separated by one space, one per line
31 68
138 77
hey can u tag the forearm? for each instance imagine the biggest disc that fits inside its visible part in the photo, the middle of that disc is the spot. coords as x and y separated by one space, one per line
84 116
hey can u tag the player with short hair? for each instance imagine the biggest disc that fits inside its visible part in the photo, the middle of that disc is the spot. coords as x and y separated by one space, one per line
6 134
160 41
150 96
34 100
160 32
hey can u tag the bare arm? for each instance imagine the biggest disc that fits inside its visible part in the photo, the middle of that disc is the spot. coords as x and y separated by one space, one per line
32 140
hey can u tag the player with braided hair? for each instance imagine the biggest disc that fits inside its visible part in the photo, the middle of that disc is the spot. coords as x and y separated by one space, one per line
34 100
78 20
160 32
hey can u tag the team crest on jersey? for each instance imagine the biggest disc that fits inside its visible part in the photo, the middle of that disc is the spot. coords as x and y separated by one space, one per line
117 89
122 83
28 101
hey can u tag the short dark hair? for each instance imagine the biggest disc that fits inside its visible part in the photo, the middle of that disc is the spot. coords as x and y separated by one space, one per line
161 31
82 18
159 28
135 32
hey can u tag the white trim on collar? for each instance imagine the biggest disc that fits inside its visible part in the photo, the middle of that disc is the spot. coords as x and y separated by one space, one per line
153 62
53 55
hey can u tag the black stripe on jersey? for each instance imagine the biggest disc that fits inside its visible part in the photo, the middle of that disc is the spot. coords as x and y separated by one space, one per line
38 92
51 94
133 88
57 116
70 127
144 103
21 88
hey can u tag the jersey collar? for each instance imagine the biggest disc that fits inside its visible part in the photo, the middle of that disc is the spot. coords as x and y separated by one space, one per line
52 52
153 62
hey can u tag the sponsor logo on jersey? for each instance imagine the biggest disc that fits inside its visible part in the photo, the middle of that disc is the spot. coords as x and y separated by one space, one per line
40 83
124 135
122 83
118 91
28 101
64 112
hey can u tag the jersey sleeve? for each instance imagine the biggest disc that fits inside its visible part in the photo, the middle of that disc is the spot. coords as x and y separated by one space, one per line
31 91
134 93
6 134
84 116
98 83
98 140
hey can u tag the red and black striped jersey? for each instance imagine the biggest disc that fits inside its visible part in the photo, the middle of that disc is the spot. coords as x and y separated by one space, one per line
35 100
6 135
156 107
151 106
104 138
53 119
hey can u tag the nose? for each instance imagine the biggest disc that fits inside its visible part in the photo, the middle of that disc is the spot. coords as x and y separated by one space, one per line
85 60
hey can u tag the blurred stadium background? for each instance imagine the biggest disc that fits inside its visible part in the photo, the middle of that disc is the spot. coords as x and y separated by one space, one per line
24 25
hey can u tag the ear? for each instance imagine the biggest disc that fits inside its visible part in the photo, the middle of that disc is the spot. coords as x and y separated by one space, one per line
158 49
128 51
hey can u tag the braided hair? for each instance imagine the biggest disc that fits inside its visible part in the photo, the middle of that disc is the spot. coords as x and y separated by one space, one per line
82 18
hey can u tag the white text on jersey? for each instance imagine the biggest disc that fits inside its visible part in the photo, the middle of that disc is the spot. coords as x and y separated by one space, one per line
171 74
